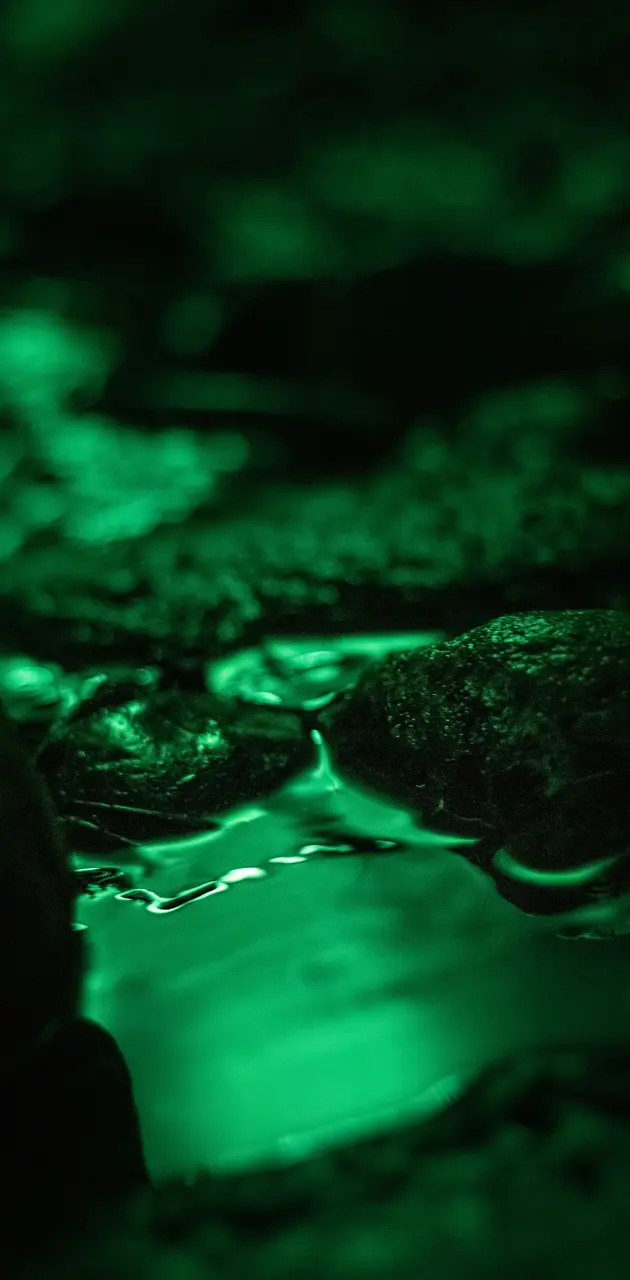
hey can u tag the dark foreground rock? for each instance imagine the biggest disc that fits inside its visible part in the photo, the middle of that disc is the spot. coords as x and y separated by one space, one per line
517 732
526 1174
68 1125
40 957
70 1134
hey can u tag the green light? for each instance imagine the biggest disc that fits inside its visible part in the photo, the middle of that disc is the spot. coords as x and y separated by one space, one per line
505 862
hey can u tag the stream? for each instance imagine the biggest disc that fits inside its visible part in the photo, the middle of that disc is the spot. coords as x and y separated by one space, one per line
320 966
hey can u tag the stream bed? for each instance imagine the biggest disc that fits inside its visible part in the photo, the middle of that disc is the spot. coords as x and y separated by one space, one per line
319 967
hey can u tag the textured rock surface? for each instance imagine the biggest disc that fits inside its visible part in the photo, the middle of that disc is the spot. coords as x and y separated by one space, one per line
500 727
162 764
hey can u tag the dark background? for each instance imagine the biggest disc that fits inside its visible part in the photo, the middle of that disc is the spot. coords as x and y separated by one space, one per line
388 210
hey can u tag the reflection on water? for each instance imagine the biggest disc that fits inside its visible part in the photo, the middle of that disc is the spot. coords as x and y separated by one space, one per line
319 796
357 972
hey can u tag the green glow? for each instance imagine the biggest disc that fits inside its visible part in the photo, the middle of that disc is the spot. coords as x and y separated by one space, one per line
352 996
504 861
416 174
45 32
323 774
316 848
373 645
243 873
267 232
250 813
159 905
305 969
291 859
597 921
31 690
301 673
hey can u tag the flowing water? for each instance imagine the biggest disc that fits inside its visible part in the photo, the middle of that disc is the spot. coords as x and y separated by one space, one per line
320 966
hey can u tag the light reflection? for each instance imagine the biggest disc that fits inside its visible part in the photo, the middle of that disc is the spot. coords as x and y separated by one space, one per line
318 782
290 858
236 819
504 861
154 903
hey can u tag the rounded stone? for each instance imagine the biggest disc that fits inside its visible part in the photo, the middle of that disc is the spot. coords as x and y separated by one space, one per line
516 733
162 764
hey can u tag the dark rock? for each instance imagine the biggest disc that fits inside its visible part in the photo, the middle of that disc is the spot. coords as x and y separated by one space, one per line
70 1133
162 764
532 1090
40 953
517 733
68 1127
445 539
584 827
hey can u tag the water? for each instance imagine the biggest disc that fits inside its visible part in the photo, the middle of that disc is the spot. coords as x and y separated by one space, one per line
320 966
311 797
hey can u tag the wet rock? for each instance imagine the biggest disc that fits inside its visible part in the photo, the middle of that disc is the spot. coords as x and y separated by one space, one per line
517 732
40 953
162 765
68 1126
573 854
70 1133
534 1090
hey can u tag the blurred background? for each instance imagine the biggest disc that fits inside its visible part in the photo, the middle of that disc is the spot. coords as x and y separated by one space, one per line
313 223
245 246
